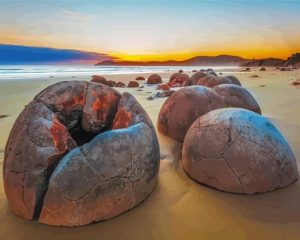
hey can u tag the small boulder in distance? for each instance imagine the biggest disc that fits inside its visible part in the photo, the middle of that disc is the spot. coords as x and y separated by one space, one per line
154 79
133 84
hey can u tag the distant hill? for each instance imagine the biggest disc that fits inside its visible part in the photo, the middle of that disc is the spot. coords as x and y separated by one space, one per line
221 60
266 62
15 54
293 61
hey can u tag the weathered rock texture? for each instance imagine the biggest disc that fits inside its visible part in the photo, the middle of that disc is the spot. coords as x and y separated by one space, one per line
183 107
239 151
100 146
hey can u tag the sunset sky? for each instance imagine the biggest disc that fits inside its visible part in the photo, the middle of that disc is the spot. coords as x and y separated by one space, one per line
155 30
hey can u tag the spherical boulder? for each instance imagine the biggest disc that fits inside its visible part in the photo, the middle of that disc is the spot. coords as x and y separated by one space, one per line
85 140
111 83
183 107
154 79
208 81
98 79
140 79
179 80
238 151
133 84
121 85
196 76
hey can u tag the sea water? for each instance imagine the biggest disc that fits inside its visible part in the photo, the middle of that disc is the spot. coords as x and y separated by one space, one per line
19 72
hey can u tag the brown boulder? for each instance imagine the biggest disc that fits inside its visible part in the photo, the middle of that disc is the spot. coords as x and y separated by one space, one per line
121 85
239 151
154 79
209 81
140 79
183 107
98 79
111 83
133 84
179 80
195 77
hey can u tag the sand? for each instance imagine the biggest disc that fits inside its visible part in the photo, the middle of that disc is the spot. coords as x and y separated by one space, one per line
178 208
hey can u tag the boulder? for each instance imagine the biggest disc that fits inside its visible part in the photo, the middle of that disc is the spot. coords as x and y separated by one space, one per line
133 84
210 81
179 80
238 151
262 69
154 79
183 107
121 85
74 155
111 83
195 77
98 79
140 79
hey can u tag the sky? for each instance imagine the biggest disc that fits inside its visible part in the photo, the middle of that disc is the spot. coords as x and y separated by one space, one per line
155 30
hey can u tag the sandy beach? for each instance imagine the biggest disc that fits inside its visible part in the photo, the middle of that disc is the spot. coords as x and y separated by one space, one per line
179 208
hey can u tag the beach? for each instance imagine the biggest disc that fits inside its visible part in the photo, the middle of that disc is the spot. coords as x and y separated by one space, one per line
178 208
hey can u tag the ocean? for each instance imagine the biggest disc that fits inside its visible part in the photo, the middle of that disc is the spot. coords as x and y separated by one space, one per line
20 72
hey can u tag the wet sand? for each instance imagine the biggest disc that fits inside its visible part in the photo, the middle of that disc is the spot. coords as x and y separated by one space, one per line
178 208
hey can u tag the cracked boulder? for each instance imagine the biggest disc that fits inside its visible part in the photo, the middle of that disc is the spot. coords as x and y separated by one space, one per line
183 107
179 80
238 151
74 155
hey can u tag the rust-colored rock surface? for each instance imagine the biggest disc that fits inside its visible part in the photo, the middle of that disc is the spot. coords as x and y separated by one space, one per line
85 140
179 80
183 107
239 151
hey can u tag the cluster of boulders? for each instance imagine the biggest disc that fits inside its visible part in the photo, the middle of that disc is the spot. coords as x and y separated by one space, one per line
80 152
227 144
206 78
111 83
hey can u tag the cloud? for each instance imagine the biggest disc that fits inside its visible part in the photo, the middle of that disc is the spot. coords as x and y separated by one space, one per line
16 54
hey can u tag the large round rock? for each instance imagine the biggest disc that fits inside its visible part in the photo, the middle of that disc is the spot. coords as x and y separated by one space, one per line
154 79
239 151
187 104
183 107
85 140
